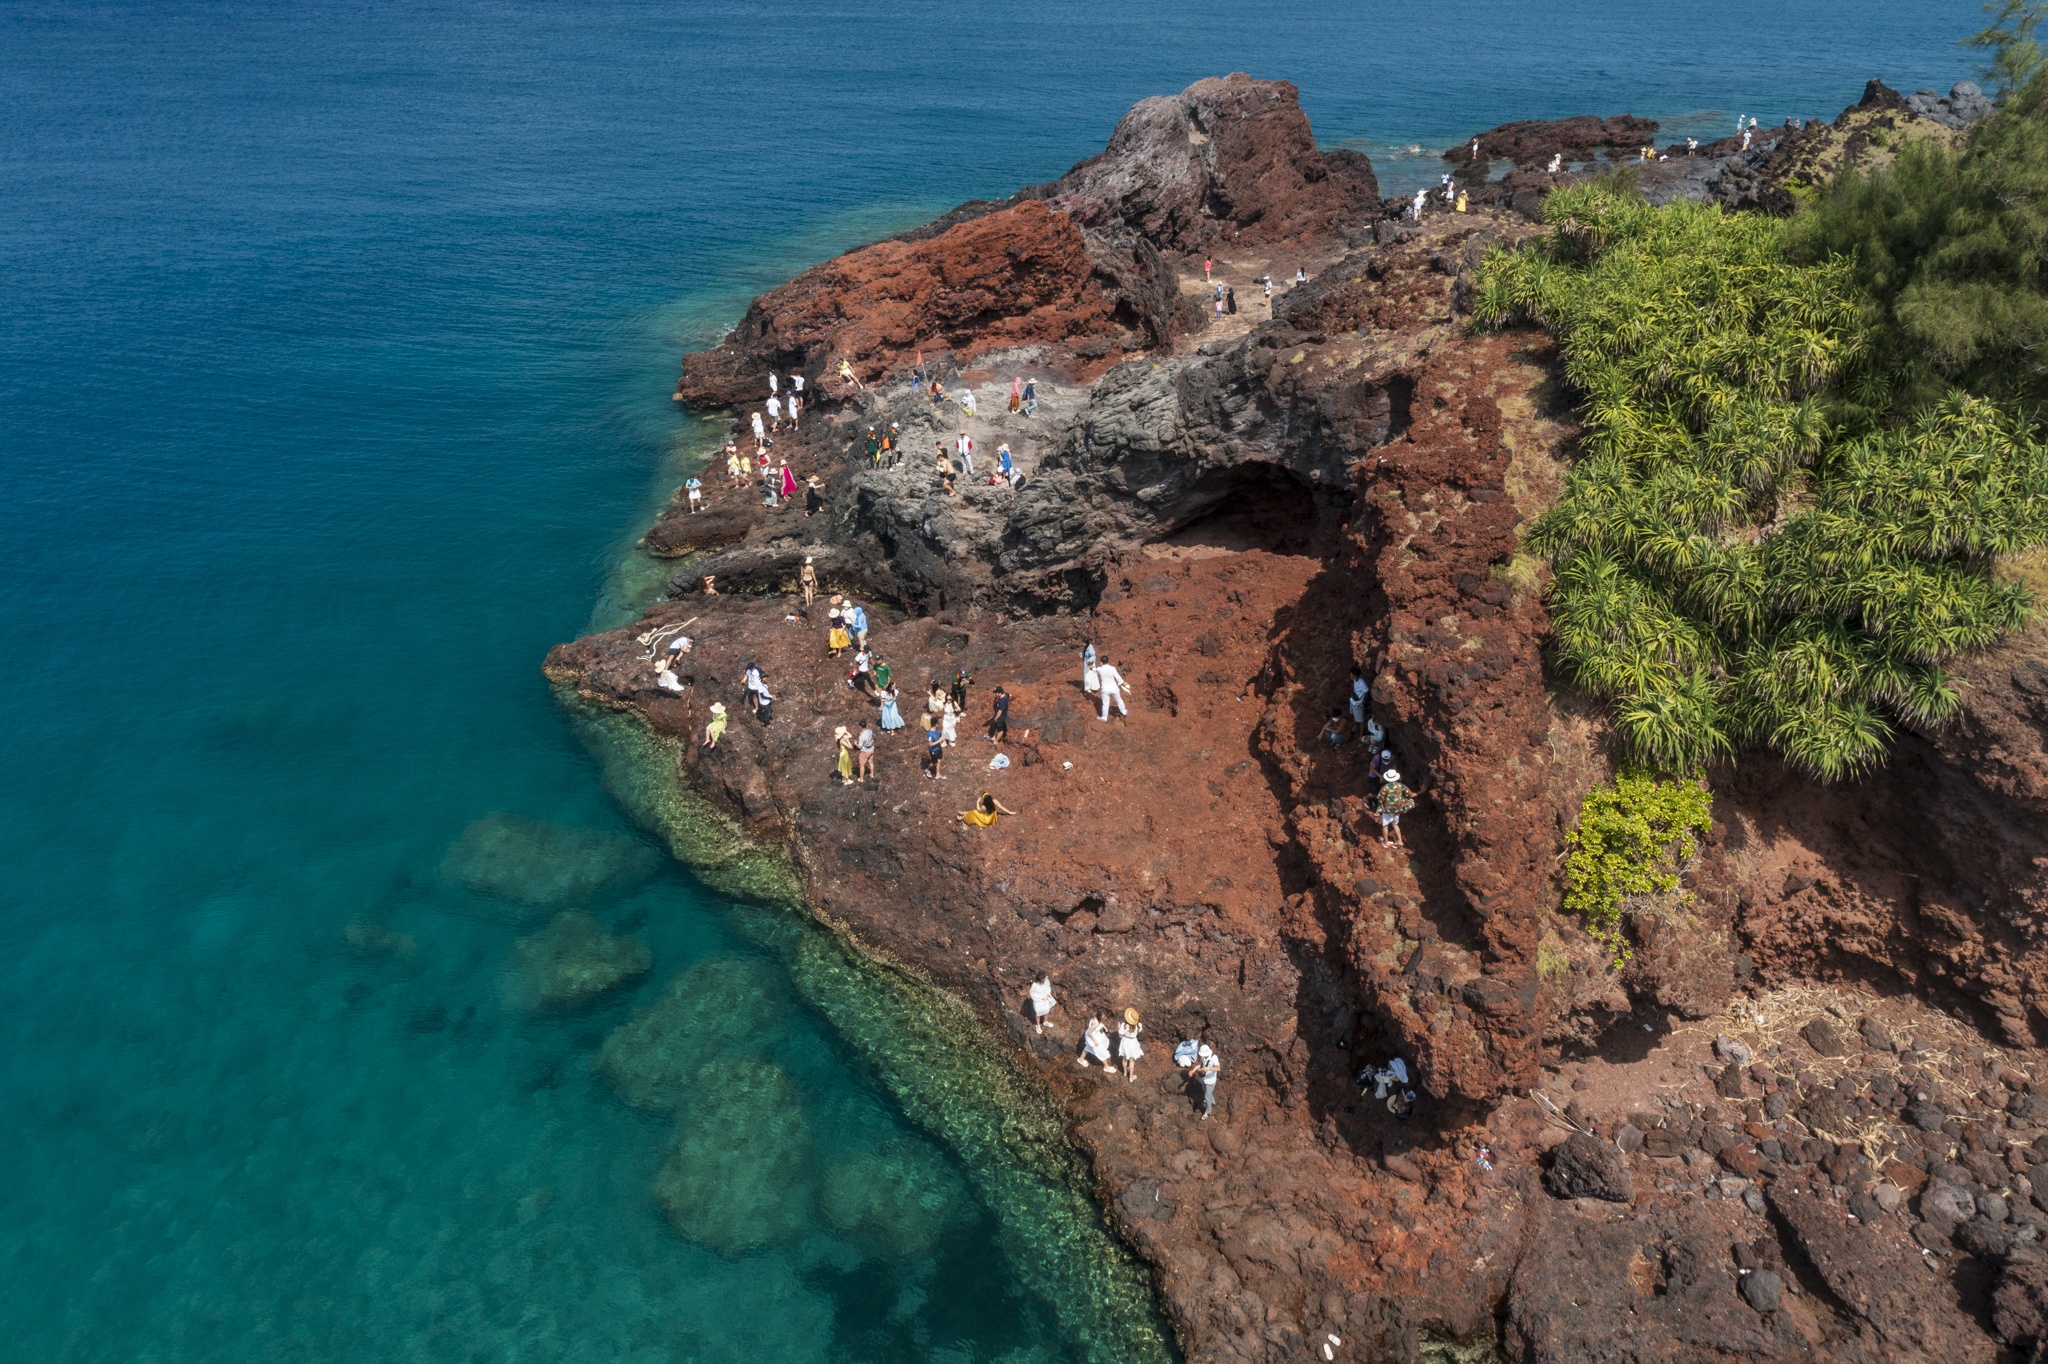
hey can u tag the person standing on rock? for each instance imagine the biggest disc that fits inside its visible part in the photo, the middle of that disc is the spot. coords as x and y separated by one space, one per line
695 489
807 581
1016 393
773 386
999 717
1042 1002
774 413
1090 680
949 723
1005 465
1300 276
1556 163
795 407
935 702
1208 264
1230 300
857 623
1268 281
751 680
1030 397
766 708
1128 1050
1113 688
760 430
892 718
1204 1070
715 730
1396 800
814 499
957 693
964 447
796 385
788 481
843 758
935 751
1095 1043
1361 692
866 746
1414 212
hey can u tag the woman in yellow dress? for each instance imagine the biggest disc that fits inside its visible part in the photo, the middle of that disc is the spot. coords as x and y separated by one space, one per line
985 811
845 741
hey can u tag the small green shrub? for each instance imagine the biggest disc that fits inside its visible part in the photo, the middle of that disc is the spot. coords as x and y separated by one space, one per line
1634 837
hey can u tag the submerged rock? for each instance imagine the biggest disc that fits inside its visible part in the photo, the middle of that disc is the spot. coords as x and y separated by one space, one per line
721 1008
529 862
571 962
375 940
737 1177
902 1194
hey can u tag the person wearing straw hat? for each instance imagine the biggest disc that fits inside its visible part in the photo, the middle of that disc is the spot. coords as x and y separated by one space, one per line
843 738
1127 1049
1095 1043
715 730
1042 1002
1396 800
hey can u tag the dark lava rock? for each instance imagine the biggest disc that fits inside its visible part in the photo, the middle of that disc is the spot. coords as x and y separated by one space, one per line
1761 1289
1574 1303
2019 1305
1584 1167
1875 1272
1629 1138
1947 1204
2029 1108
1824 1037
1926 1117
1984 1238
1777 1105
1532 142
1866 1207
1876 1035
1728 1084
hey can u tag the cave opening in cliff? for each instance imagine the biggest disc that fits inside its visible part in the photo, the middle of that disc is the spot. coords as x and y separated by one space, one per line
1262 506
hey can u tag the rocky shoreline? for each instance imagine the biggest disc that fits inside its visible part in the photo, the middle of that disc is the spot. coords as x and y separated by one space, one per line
1800 1124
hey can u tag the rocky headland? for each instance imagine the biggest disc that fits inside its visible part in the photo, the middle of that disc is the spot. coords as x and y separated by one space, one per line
1803 1122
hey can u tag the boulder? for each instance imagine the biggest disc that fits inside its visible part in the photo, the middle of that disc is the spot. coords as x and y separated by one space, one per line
1762 1288
1824 1037
1586 1167
1533 141
2019 1304
901 1197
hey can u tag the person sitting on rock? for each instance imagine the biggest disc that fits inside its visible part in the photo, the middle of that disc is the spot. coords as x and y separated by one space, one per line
1333 729
984 813
852 379
715 730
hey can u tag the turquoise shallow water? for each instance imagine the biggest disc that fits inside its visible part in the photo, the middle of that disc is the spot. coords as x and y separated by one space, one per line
333 375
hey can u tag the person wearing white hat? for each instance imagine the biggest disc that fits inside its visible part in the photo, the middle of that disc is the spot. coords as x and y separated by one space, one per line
715 730
1396 800
843 738
1204 1069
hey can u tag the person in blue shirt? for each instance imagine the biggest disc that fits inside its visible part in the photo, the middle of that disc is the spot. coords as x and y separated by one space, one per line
857 623
1003 462
695 487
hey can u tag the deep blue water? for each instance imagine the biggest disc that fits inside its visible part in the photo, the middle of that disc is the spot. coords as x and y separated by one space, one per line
335 343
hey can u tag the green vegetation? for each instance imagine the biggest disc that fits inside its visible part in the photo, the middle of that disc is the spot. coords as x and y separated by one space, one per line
2009 39
1633 837
1805 444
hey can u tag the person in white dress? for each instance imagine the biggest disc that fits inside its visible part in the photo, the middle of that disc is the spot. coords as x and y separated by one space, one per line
1041 1000
1127 1048
1095 1043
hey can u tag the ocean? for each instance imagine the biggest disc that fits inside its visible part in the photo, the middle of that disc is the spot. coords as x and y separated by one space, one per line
334 370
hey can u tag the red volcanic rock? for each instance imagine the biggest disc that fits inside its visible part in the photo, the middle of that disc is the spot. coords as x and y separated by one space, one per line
1533 141
1229 158
1017 276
